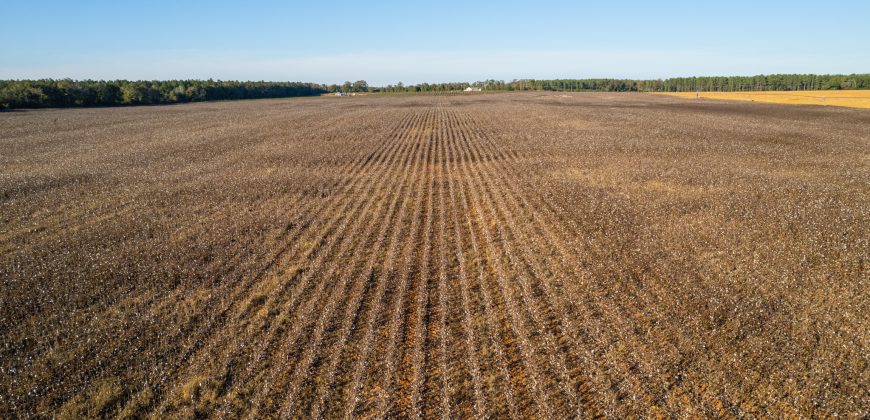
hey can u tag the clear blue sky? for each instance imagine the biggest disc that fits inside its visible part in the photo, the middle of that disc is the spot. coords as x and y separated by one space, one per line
385 42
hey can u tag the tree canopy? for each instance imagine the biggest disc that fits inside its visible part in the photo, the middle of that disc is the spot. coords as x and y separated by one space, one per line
74 93
677 84
58 93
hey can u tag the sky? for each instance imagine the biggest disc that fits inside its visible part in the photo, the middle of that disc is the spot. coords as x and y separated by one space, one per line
390 41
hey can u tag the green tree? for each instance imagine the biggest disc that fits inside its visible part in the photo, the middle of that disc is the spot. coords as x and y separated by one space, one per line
360 86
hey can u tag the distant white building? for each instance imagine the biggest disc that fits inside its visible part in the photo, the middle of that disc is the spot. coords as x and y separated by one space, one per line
473 89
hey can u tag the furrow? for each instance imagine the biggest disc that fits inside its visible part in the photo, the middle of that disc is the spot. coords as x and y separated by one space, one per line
437 382
460 295
512 311
300 325
412 368
350 401
383 376
511 379
313 345
353 309
349 178
571 263
554 299
274 294
302 313
506 226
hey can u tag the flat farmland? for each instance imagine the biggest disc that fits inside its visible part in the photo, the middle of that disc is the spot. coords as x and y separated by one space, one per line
847 98
504 255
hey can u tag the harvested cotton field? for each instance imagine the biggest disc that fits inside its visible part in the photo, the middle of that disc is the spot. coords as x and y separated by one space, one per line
491 255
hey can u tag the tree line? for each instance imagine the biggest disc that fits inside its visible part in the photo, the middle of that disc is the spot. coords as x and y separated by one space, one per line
363 86
779 82
61 93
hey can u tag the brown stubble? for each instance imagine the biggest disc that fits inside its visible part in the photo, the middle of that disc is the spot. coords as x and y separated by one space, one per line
506 255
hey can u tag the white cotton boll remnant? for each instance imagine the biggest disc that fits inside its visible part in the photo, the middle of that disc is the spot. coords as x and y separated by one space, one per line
489 255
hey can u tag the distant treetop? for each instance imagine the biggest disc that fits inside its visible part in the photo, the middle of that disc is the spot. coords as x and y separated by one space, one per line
58 93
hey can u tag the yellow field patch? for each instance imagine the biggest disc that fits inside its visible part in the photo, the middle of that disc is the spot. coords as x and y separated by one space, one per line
847 98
